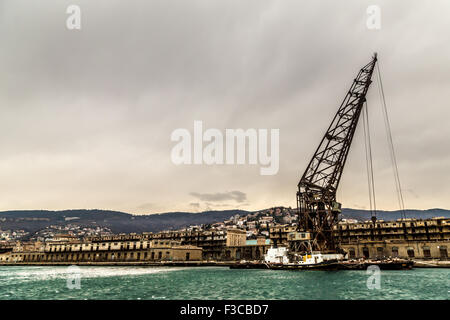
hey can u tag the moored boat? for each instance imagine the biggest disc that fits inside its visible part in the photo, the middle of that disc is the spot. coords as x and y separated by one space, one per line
281 258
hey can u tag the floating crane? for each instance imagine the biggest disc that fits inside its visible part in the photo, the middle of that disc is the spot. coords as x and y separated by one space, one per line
316 197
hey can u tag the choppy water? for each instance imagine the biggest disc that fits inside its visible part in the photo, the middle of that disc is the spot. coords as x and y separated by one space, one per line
18 282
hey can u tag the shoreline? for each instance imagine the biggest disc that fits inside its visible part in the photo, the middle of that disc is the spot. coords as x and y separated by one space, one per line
125 263
417 264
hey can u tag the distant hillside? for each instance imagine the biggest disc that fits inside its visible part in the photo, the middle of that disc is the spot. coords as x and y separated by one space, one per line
121 222
118 222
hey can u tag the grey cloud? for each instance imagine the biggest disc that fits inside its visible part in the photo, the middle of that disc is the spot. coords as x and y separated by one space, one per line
237 196
195 205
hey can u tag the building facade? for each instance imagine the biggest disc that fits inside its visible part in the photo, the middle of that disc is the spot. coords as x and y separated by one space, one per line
104 250
200 245
405 238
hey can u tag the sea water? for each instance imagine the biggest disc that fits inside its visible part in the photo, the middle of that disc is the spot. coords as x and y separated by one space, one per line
129 282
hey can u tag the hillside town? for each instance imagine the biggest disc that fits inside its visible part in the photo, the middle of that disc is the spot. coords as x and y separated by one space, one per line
52 232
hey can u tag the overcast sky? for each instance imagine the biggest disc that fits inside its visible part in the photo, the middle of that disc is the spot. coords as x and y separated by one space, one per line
86 115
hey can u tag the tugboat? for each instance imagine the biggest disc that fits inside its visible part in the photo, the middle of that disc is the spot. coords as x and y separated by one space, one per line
281 258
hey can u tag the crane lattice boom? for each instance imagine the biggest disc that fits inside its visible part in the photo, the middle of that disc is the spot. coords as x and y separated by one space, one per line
316 196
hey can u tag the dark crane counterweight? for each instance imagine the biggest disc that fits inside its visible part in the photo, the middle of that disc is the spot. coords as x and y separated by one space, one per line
316 197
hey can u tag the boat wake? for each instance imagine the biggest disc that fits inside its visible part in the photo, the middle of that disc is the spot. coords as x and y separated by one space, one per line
49 273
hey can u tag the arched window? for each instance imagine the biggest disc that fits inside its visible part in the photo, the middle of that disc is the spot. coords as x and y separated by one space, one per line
351 253
380 252
395 251
366 252
426 252
443 252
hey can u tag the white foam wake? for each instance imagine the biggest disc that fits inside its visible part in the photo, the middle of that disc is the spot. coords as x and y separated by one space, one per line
47 273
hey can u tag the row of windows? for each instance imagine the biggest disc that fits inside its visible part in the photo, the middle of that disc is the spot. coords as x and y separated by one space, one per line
127 246
88 256
438 223
394 252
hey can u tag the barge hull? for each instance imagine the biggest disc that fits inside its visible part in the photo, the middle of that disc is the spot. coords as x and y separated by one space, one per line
397 265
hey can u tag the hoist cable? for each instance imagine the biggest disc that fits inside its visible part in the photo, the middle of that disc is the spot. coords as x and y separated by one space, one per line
390 144
369 161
